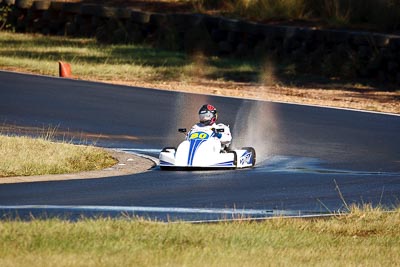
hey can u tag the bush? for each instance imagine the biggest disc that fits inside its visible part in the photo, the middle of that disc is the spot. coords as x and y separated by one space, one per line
4 13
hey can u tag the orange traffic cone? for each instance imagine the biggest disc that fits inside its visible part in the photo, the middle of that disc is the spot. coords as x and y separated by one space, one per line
65 69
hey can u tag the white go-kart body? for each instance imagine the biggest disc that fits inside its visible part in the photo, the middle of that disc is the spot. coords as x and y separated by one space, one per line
203 150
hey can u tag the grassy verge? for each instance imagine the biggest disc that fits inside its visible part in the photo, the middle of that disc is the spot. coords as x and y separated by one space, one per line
24 156
367 237
91 60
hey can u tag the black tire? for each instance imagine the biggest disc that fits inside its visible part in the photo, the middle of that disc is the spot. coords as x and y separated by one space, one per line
234 158
165 149
140 17
123 13
73 8
90 9
108 12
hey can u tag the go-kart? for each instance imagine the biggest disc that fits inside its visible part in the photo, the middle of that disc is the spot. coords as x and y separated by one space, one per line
203 150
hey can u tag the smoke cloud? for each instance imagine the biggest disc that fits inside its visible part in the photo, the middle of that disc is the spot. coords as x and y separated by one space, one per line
256 125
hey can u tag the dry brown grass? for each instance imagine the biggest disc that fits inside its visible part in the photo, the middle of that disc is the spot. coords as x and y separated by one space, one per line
367 237
24 156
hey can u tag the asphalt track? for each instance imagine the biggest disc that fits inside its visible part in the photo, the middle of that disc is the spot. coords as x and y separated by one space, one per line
311 160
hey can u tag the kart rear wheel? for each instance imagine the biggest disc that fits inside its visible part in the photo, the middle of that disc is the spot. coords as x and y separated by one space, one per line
234 157
169 149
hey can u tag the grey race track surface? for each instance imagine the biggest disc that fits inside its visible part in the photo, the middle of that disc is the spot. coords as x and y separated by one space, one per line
307 156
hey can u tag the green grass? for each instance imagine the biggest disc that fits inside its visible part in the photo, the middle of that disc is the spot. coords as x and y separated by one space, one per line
366 237
91 60
24 156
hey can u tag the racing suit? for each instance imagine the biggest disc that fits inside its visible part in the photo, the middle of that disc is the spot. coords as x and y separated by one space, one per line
224 136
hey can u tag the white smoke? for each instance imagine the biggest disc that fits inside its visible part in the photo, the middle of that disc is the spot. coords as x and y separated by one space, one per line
256 126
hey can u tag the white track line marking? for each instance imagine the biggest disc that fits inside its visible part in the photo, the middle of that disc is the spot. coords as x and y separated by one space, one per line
143 209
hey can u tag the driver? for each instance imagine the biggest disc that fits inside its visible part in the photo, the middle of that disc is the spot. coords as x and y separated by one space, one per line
208 117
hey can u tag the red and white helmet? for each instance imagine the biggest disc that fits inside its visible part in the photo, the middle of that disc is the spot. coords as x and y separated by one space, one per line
208 114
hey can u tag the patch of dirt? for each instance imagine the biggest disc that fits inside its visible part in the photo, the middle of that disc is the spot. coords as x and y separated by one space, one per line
358 98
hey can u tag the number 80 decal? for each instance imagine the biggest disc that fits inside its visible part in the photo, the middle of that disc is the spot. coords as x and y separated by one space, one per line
198 135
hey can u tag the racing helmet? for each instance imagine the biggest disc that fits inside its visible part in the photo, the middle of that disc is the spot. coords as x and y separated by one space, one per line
208 114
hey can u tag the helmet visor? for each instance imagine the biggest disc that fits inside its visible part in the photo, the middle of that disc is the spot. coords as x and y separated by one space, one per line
205 117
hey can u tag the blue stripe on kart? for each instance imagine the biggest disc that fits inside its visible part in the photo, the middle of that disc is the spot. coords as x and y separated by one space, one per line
194 145
228 163
165 163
